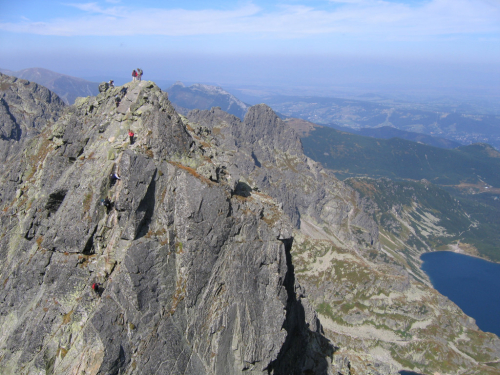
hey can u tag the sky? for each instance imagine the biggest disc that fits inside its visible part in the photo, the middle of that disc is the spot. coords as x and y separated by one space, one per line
304 45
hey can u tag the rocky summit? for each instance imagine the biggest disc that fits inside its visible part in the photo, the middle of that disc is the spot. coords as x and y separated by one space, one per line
190 274
135 240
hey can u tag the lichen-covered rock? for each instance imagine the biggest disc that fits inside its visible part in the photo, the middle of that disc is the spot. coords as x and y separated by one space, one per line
103 86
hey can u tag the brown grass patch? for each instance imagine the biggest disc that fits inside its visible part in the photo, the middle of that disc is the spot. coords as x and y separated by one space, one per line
36 160
83 260
67 317
62 352
180 292
192 172
87 201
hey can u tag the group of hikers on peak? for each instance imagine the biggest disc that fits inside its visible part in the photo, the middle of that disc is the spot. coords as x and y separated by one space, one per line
137 74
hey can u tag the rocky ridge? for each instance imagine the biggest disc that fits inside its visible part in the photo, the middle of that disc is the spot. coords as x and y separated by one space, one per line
194 275
25 109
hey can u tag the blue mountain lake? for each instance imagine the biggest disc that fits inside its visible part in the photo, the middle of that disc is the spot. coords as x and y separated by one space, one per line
472 283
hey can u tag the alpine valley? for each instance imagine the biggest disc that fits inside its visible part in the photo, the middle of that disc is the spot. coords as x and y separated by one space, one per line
227 249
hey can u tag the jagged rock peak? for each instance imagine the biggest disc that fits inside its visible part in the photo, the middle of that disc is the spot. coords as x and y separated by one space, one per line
176 274
68 88
263 126
28 104
143 108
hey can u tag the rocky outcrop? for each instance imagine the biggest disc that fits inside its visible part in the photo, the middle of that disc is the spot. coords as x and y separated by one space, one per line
194 275
219 243
25 108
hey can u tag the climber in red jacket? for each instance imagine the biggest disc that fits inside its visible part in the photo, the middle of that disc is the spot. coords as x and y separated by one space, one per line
96 287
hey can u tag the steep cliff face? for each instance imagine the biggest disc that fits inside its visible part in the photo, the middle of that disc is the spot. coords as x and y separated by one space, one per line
194 275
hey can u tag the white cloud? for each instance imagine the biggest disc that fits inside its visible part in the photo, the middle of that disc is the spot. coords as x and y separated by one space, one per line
365 18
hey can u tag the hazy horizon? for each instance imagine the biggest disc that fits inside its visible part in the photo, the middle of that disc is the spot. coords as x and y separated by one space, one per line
407 47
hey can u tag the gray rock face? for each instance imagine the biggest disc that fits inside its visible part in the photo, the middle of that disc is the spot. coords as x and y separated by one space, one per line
103 86
194 275
25 108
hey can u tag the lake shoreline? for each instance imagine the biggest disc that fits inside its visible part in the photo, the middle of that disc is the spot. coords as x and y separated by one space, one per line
460 251
470 282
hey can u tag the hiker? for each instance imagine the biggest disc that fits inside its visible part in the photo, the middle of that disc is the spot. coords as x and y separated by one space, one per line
112 178
139 74
123 92
96 287
134 75
106 203
131 136
117 100
111 83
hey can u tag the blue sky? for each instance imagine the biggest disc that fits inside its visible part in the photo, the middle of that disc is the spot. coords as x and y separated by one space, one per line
438 43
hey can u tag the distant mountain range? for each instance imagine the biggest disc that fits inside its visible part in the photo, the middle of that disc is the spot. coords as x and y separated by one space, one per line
202 97
68 88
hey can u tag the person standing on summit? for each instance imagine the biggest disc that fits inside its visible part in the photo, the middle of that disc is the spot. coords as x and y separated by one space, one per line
134 75
139 74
